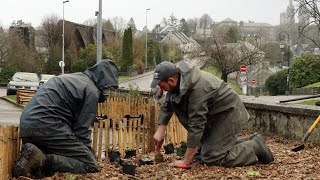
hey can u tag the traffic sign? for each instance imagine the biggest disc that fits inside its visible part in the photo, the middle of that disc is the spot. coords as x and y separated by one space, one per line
61 63
243 68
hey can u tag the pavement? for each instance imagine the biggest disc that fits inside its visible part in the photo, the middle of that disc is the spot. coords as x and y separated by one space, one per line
9 112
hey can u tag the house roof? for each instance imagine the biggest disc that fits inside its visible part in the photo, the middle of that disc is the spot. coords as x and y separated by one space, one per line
228 20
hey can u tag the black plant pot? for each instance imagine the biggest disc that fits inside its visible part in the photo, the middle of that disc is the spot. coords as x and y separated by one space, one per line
130 153
169 149
129 169
114 156
181 151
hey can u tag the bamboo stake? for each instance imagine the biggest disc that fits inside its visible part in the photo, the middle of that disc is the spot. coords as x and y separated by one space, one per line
134 133
130 133
100 138
139 135
2 154
120 138
125 127
107 136
152 127
95 136
113 133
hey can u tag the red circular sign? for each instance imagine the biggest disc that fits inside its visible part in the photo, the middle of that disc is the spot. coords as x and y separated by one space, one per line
243 68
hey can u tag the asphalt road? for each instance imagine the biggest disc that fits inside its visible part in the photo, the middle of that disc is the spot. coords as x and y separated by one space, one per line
9 113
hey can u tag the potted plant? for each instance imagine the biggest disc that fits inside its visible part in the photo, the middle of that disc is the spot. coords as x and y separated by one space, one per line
145 161
128 167
114 155
169 149
182 149
130 153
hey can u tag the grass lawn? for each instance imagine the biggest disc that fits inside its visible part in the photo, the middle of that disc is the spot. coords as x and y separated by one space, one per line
12 97
215 72
123 78
310 102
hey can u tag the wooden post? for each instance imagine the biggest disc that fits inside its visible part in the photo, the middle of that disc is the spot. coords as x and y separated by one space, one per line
2 155
120 138
95 136
139 135
152 127
100 138
114 134
134 134
125 128
130 134
107 136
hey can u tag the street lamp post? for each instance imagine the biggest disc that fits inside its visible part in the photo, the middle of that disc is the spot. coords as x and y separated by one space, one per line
146 61
99 33
62 63
282 37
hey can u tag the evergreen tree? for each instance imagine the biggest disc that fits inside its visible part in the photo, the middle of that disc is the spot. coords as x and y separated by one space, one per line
108 25
127 55
232 36
132 24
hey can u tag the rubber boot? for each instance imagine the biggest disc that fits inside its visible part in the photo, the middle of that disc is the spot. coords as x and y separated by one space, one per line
241 140
263 153
30 160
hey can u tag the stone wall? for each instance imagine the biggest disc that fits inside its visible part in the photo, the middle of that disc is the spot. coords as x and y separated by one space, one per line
306 91
291 121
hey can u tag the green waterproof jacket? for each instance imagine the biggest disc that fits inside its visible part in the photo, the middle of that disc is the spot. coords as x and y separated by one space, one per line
205 106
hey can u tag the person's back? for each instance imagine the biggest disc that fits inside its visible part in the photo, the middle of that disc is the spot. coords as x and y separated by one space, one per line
57 105
55 125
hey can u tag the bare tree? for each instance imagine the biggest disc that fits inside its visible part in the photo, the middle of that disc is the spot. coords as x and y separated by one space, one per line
205 21
309 20
3 46
228 57
118 23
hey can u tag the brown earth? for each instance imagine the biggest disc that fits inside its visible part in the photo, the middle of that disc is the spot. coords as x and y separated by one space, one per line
304 164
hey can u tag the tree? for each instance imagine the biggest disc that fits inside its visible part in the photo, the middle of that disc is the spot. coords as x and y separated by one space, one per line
172 21
276 84
205 21
132 25
232 35
228 57
192 24
108 25
304 71
3 46
127 56
184 27
118 23
272 53
309 20
138 52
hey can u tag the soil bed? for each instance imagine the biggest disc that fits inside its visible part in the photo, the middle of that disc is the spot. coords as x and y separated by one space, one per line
304 164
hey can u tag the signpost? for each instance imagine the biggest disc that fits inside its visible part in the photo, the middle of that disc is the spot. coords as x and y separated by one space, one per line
243 77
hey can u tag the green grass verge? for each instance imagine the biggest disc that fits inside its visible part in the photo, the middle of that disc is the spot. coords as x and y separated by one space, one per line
313 85
215 72
123 78
12 97
310 102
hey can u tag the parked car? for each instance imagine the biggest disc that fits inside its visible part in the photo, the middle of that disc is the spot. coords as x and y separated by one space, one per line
22 80
44 78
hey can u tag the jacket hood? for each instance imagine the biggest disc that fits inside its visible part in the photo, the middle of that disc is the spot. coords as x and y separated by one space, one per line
104 74
190 75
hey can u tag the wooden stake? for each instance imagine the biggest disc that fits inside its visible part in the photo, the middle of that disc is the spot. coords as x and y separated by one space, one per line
107 136
100 138
95 136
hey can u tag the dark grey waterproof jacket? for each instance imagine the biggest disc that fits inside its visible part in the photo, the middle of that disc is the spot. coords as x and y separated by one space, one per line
67 104
206 106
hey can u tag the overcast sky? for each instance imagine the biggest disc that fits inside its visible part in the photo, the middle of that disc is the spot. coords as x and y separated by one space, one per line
33 11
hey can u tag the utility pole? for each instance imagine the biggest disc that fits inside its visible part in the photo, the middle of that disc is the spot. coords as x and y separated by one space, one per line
62 60
99 33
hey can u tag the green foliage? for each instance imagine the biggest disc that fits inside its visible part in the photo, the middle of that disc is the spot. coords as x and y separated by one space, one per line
127 54
317 84
6 73
272 53
276 84
252 172
52 64
232 35
12 97
134 90
309 102
304 71
154 53
79 66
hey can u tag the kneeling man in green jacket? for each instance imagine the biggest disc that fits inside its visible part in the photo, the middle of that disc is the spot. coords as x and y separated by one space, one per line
211 112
